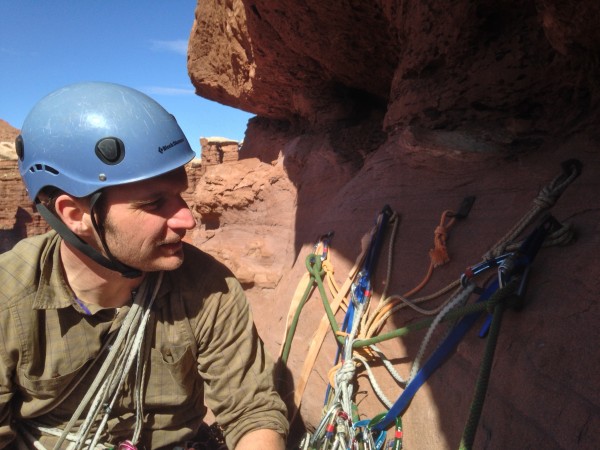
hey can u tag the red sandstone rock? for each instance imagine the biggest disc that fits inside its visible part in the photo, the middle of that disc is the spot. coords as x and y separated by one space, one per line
8 133
257 252
218 150
497 72
7 140
461 90
420 182
18 217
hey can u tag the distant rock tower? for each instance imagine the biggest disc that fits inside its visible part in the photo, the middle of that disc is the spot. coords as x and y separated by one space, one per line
218 150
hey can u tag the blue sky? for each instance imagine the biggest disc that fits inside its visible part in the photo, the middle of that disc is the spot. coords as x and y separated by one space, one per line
45 45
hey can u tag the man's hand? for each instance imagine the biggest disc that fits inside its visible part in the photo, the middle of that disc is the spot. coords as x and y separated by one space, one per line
261 440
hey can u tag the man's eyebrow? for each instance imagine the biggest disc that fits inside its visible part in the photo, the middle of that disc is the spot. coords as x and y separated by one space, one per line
150 195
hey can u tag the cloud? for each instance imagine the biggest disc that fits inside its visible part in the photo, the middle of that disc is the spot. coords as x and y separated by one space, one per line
161 90
177 46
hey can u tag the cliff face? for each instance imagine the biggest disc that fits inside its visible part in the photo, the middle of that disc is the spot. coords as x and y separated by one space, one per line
17 216
495 72
415 106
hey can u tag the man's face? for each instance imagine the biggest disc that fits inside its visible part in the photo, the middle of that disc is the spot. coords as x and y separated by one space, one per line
146 222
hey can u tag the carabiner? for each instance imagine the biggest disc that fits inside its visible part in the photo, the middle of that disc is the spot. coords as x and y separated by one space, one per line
473 271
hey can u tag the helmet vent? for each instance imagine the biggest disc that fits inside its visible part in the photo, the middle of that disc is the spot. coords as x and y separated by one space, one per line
43 168
110 150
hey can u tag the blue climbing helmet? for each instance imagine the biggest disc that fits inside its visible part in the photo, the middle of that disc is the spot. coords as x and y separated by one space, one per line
88 136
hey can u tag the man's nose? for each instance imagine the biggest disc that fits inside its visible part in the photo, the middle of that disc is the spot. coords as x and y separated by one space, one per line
182 218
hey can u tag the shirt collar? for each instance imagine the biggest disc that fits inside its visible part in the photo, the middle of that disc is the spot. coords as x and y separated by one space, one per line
53 291
163 292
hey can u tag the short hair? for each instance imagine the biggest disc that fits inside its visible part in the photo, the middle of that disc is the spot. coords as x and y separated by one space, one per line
48 195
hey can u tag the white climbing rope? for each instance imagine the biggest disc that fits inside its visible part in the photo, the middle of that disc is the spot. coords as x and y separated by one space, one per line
115 369
376 388
388 365
459 299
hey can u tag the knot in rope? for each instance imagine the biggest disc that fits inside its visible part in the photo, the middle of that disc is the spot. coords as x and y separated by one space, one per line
547 198
346 373
439 254
550 193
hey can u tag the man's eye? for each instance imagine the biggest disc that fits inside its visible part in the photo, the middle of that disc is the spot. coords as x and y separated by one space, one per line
153 205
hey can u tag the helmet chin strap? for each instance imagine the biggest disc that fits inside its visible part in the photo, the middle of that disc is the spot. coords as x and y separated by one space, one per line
109 261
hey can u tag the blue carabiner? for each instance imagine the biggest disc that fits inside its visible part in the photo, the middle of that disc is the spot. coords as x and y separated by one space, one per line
473 271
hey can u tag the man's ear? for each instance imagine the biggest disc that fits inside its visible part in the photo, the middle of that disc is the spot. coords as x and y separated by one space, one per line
74 212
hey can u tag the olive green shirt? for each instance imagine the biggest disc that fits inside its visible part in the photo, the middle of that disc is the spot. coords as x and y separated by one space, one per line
205 351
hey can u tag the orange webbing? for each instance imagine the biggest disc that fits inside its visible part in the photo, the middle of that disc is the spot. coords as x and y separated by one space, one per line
439 253
438 256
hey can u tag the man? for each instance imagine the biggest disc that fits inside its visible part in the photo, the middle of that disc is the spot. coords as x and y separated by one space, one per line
113 331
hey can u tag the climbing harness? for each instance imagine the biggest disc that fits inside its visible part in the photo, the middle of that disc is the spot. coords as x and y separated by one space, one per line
509 261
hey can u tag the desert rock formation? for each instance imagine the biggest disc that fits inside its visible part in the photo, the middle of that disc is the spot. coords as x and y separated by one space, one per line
8 133
416 106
